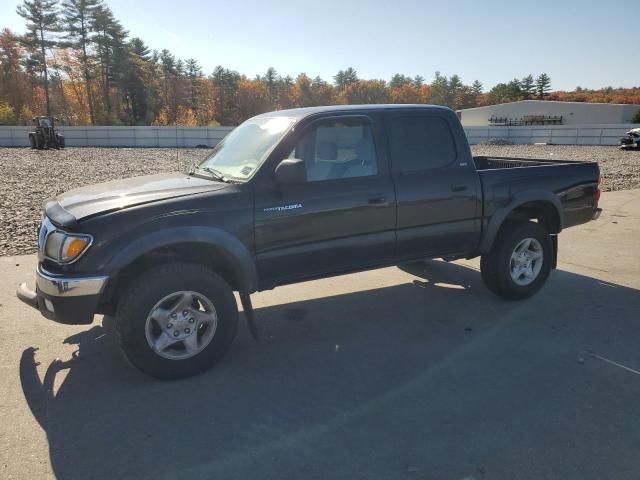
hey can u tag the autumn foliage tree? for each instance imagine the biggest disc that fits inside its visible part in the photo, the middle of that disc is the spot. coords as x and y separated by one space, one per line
77 62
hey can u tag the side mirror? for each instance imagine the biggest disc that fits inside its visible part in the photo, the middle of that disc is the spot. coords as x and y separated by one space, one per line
291 170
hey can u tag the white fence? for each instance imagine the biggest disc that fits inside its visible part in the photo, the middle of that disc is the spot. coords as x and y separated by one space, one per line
194 136
122 136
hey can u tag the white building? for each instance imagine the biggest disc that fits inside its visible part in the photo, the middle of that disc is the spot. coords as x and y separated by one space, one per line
542 111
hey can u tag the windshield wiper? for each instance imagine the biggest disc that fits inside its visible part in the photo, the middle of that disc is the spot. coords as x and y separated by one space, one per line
218 175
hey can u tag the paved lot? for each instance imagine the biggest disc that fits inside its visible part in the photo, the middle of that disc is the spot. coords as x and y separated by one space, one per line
412 373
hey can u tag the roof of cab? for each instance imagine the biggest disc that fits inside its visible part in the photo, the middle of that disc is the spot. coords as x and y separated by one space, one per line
300 113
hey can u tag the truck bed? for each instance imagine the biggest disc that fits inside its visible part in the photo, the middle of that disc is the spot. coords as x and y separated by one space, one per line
574 182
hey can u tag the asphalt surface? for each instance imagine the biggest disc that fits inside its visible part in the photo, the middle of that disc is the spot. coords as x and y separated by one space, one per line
402 373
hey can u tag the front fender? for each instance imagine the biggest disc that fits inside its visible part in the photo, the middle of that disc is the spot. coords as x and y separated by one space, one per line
517 200
234 251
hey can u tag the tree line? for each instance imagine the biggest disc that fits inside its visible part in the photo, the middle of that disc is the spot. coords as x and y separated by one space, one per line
77 62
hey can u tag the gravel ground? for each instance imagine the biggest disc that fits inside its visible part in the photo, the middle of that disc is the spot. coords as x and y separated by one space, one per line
30 177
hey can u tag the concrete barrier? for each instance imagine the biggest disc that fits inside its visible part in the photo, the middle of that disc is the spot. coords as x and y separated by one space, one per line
608 134
172 137
123 136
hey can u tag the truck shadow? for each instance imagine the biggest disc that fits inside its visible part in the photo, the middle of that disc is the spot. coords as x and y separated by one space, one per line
339 387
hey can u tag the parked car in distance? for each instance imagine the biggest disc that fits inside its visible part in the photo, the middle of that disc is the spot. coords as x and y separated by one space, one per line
289 196
631 140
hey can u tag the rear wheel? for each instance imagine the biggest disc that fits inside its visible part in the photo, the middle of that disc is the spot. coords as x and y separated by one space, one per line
32 142
519 262
176 320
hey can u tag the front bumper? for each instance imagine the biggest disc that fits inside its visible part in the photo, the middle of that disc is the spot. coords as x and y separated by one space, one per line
70 300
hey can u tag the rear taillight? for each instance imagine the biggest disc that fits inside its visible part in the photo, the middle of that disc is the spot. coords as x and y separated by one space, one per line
597 195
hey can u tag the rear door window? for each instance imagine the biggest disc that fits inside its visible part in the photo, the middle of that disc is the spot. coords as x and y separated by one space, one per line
420 143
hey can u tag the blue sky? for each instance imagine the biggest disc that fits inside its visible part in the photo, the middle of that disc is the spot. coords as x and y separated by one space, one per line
587 43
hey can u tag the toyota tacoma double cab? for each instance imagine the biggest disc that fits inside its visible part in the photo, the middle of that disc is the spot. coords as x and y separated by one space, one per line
289 196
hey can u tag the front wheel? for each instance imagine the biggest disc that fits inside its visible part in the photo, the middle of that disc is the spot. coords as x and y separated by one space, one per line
176 320
519 262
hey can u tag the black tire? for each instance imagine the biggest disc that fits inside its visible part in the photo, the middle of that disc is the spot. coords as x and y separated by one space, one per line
60 141
32 142
149 288
39 142
496 265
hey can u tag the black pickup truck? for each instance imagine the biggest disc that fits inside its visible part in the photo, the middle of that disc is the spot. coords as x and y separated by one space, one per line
290 196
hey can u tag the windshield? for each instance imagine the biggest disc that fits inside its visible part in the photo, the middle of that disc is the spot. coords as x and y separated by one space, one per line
241 152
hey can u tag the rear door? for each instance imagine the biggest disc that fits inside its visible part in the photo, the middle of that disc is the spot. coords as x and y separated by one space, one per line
342 218
437 186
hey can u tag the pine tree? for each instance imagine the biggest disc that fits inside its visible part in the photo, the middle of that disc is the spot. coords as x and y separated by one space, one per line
344 78
138 47
476 90
226 83
109 41
79 20
194 72
350 76
500 93
138 83
168 67
528 86
42 21
453 91
543 85
270 80
399 80
318 82
514 89
440 90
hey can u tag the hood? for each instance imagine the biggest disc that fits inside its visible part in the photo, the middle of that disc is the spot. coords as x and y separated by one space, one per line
91 200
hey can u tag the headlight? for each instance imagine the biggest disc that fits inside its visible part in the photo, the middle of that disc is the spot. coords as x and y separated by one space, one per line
66 247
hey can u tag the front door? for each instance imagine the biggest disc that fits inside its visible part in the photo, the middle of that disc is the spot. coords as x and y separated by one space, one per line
342 218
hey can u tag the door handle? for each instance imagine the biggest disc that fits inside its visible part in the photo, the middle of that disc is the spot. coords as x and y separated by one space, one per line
458 187
377 200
